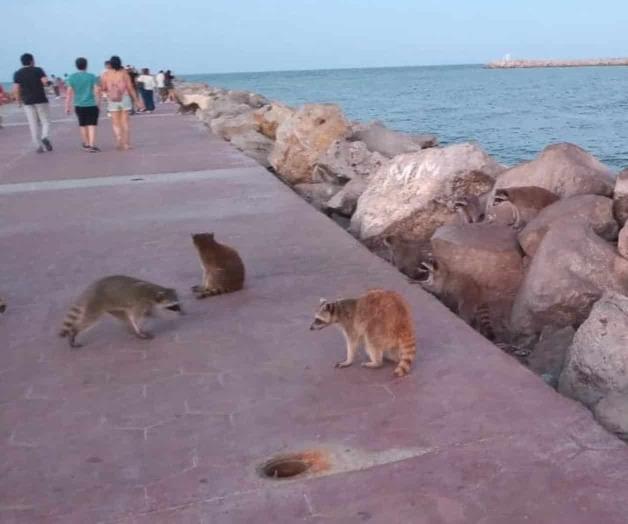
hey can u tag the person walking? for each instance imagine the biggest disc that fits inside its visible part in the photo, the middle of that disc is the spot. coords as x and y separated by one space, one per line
28 88
160 84
116 83
148 88
84 91
169 81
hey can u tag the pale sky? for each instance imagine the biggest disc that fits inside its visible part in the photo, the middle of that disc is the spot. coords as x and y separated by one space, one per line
214 36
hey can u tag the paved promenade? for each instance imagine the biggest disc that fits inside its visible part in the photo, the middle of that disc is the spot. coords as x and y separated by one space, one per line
174 430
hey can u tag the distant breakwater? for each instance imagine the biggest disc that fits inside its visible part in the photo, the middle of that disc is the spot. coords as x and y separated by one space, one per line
521 64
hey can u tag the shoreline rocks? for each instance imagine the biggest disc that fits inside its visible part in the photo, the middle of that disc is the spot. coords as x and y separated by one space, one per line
564 269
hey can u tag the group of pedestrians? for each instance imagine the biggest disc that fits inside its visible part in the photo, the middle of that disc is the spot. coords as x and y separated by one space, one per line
117 86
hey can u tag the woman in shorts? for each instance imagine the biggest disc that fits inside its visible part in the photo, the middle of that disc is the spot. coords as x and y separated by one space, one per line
83 91
116 83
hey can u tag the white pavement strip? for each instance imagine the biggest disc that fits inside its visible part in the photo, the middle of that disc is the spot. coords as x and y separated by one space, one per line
102 117
84 183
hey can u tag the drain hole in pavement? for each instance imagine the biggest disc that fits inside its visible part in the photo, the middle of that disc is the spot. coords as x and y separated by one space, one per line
290 466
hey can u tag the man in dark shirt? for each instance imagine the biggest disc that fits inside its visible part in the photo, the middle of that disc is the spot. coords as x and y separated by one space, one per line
28 87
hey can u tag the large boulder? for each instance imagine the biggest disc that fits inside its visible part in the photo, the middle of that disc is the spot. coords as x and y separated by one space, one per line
203 101
570 271
622 242
620 196
227 126
271 116
222 107
252 100
254 145
379 139
412 194
612 413
345 160
594 210
486 253
302 138
597 361
548 355
345 201
564 169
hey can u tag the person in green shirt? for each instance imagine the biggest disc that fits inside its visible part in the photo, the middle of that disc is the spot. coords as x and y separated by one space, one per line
84 91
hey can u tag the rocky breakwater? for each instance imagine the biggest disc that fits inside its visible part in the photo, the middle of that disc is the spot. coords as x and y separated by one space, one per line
533 256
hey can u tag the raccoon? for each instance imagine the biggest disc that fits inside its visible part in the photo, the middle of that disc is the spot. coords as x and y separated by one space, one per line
470 208
525 203
223 269
460 294
381 320
407 255
126 298
185 109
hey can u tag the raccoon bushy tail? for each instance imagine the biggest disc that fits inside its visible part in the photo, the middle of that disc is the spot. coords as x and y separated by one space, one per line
407 353
71 320
484 322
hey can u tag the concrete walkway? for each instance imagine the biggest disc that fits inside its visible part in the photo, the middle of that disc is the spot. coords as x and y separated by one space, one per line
173 430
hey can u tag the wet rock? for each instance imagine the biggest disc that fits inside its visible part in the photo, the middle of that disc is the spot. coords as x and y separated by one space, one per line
486 253
317 194
620 198
597 360
612 413
254 145
571 270
345 201
270 116
564 169
412 194
379 139
345 160
548 356
227 126
302 138
594 210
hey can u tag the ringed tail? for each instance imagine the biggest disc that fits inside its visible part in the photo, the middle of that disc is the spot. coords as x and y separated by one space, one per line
407 353
70 320
484 322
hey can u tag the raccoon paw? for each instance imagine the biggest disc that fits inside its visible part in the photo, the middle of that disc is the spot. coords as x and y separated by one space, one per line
343 364
196 289
145 335
372 365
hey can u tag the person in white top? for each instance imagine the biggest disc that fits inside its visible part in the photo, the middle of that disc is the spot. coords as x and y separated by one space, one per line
160 81
147 83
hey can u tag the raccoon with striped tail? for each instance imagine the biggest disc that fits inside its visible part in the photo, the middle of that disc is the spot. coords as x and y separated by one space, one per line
381 320
128 299
223 269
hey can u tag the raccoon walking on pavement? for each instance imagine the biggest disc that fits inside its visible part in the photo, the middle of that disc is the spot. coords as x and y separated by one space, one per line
126 298
380 320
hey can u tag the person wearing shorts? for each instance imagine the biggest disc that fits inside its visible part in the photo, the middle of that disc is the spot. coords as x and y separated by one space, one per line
117 84
83 89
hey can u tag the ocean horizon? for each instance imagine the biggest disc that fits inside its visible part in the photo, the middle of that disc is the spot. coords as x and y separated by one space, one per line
513 114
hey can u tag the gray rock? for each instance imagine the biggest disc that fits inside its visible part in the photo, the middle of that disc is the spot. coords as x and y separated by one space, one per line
548 355
379 139
620 198
564 169
571 270
254 145
597 360
227 126
622 242
345 160
317 194
594 210
345 201
411 195
612 413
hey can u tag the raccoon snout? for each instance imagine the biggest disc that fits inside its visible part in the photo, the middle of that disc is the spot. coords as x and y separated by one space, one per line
3 308
177 308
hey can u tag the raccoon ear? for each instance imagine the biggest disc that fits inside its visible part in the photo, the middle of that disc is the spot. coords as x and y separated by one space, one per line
322 301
